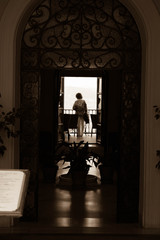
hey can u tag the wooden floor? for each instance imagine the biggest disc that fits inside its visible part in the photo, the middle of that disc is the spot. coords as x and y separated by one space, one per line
92 206
77 214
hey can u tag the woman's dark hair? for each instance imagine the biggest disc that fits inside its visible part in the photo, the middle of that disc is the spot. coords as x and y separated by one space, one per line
79 96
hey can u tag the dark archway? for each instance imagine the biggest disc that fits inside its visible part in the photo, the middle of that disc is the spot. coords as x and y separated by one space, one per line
83 36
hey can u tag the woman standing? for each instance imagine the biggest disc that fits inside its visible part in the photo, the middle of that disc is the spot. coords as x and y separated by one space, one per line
80 107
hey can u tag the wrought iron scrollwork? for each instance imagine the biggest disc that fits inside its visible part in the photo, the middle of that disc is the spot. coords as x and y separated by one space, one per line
83 29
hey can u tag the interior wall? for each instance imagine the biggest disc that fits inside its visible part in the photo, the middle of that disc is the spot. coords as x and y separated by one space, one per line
11 28
147 18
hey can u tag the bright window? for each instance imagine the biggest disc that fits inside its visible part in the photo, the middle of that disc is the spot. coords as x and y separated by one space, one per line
87 86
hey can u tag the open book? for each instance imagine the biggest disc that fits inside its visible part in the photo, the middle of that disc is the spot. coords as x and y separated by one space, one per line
13 189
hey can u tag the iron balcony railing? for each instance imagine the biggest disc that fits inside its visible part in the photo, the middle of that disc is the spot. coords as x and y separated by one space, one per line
89 128
71 111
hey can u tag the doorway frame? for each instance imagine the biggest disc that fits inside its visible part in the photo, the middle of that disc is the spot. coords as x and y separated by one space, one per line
81 73
69 111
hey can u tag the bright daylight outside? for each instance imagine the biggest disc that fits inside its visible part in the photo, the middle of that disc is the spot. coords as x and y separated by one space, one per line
87 86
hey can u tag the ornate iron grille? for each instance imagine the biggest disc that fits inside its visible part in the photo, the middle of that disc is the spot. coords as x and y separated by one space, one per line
78 34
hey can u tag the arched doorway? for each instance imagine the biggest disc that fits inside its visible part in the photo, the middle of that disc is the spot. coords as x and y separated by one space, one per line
83 37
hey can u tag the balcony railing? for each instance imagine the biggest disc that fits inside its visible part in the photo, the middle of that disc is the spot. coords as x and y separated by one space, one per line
89 128
71 111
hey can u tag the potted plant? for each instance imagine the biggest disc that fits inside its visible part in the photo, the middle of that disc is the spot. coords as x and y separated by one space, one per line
7 126
79 157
